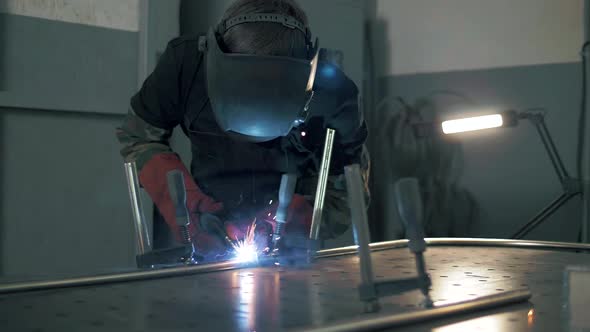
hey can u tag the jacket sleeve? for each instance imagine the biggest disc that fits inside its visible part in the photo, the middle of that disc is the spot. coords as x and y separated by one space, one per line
158 102
154 111
141 140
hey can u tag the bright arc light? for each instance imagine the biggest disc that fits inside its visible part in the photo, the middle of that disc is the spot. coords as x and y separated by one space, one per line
246 254
472 124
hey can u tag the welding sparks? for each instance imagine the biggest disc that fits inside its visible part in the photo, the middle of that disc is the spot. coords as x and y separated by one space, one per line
246 251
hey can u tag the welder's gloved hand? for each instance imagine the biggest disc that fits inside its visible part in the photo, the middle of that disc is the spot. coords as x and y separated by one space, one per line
154 180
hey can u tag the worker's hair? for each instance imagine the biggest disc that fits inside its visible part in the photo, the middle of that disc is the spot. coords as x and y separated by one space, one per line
265 38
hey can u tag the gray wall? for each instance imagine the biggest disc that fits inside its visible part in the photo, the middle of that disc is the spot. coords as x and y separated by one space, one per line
498 54
64 207
54 65
2 62
507 169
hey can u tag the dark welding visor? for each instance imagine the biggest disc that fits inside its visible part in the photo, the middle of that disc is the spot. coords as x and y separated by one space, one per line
258 98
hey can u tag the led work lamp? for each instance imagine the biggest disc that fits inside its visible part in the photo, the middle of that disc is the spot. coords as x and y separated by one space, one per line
571 186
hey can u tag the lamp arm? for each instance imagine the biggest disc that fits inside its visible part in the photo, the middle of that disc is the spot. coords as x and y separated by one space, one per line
538 120
570 186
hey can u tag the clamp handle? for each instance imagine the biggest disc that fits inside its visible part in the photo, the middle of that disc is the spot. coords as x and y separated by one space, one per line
177 190
409 205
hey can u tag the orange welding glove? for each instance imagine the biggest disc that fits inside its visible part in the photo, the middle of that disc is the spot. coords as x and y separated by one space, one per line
154 180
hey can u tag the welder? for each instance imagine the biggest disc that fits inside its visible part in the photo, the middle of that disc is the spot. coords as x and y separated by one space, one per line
254 98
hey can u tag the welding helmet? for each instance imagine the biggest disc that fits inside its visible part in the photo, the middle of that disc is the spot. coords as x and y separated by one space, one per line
258 98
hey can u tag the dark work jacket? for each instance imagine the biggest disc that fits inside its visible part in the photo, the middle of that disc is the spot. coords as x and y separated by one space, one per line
246 175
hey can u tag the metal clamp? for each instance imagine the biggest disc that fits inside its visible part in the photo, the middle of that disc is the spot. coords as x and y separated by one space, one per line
369 290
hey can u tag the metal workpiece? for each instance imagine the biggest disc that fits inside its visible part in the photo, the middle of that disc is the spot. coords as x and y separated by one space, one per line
141 275
381 322
114 278
142 234
320 195
462 242
225 297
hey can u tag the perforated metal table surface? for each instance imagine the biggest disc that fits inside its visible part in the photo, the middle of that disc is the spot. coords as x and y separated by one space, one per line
274 299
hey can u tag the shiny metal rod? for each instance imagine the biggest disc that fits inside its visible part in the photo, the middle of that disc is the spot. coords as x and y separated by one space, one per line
142 234
362 238
464 242
320 195
381 322
31 286
28 286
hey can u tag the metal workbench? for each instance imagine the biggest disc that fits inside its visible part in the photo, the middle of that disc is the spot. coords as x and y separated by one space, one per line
225 297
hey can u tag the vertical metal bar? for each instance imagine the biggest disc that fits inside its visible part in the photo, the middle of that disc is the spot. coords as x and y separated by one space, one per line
320 195
543 215
141 230
549 139
585 176
358 214
142 41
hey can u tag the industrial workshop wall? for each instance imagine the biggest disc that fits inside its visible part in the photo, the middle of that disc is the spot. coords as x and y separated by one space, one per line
68 70
343 31
500 54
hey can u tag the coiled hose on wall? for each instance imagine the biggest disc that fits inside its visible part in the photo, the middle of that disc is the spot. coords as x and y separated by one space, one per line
450 210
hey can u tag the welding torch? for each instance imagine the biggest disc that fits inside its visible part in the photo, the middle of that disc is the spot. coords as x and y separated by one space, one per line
212 224
209 222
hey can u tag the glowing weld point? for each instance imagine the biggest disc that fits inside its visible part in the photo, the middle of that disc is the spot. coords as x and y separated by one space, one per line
270 203
246 254
269 214
303 134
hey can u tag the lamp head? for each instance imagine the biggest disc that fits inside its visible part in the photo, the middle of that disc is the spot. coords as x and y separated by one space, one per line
505 119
